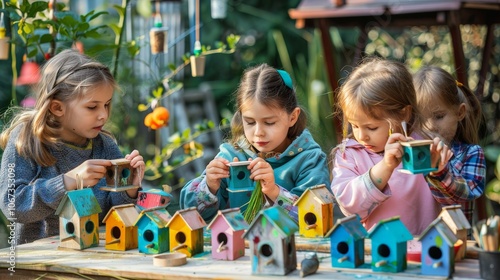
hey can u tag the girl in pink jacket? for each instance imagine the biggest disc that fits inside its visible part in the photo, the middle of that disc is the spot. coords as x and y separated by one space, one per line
375 100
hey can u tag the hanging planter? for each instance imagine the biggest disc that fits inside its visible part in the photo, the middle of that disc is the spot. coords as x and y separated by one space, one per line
218 8
197 66
158 39
4 41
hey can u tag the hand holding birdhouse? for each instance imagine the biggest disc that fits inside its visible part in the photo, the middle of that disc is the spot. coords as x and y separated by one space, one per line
440 154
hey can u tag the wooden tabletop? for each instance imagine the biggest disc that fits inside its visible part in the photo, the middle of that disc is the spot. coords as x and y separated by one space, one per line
45 258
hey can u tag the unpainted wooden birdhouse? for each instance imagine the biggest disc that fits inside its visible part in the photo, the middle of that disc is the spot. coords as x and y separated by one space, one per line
121 231
186 232
389 240
315 211
271 236
417 156
120 176
152 230
227 229
152 198
456 220
78 214
347 242
240 185
438 256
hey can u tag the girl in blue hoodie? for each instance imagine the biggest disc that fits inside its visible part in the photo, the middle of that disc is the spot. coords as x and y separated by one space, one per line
269 130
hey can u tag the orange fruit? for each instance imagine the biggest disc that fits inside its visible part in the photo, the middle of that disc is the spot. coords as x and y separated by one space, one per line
161 115
148 120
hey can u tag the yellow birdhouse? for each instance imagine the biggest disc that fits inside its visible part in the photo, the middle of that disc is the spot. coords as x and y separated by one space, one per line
186 232
315 211
121 232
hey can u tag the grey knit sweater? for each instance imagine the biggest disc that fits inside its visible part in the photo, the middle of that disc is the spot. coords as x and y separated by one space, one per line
37 191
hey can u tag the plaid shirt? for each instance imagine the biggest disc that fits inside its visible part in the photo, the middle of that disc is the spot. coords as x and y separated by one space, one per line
462 180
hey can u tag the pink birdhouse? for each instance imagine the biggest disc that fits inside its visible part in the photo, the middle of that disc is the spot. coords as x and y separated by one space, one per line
227 229
153 198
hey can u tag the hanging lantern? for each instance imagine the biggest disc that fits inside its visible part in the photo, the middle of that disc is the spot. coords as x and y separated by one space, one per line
4 40
30 74
218 8
158 36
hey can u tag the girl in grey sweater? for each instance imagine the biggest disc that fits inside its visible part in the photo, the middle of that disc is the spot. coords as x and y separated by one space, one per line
46 148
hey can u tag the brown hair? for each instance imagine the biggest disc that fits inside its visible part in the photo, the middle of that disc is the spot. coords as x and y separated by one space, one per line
432 82
65 77
265 84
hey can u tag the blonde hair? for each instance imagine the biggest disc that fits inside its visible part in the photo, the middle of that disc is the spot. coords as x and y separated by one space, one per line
265 85
383 90
65 77
434 83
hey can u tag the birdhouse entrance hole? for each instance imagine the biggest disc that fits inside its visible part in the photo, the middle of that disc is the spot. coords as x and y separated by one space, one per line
343 247
89 226
310 219
116 232
125 173
70 228
222 238
384 251
180 237
266 250
241 175
148 235
435 253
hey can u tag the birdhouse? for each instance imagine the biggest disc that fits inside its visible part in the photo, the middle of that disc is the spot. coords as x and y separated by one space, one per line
121 232
272 242
347 242
152 198
417 156
227 229
315 211
186 232
120 176
454 217
438 242
78 214
389 240
152 231
240 185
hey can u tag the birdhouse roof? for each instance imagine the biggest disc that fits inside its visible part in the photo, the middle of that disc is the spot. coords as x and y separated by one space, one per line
159 216
319 193
233 218
83 201
278 218
352 225
191 217
156 191
126 213
443 229
120 161
454 217
392 229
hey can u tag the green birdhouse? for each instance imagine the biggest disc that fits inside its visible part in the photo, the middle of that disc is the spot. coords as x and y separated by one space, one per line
417 156
240 185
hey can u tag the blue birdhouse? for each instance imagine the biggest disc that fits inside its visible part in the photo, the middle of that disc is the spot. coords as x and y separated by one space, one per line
347 242
438 256
240 185
389 240
153 233
417 157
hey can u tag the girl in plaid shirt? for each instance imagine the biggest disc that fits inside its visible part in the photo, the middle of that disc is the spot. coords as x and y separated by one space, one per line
454 112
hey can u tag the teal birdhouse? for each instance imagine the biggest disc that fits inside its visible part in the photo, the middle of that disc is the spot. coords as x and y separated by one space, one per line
347 242
417 157
240 185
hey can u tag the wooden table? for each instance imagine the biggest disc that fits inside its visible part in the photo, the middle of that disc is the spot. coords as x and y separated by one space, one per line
43 259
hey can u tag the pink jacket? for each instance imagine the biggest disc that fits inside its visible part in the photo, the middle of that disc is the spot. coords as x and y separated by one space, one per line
406 195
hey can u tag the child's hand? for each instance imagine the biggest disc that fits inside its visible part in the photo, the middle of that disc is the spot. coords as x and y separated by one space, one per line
394 151
137 162
261 170
440 154
216 170
89 173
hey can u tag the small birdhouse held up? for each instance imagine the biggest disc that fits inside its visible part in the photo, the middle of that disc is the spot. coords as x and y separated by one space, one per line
152 198
227 229
347 242
315 211
438 249
240 185
121 232
120 176
389 240
417 157
152 230
186 232
79 220
272 242
455 218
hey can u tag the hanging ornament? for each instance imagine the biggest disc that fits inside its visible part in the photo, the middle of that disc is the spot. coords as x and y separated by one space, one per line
197 60
4 40
158 34
218 8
